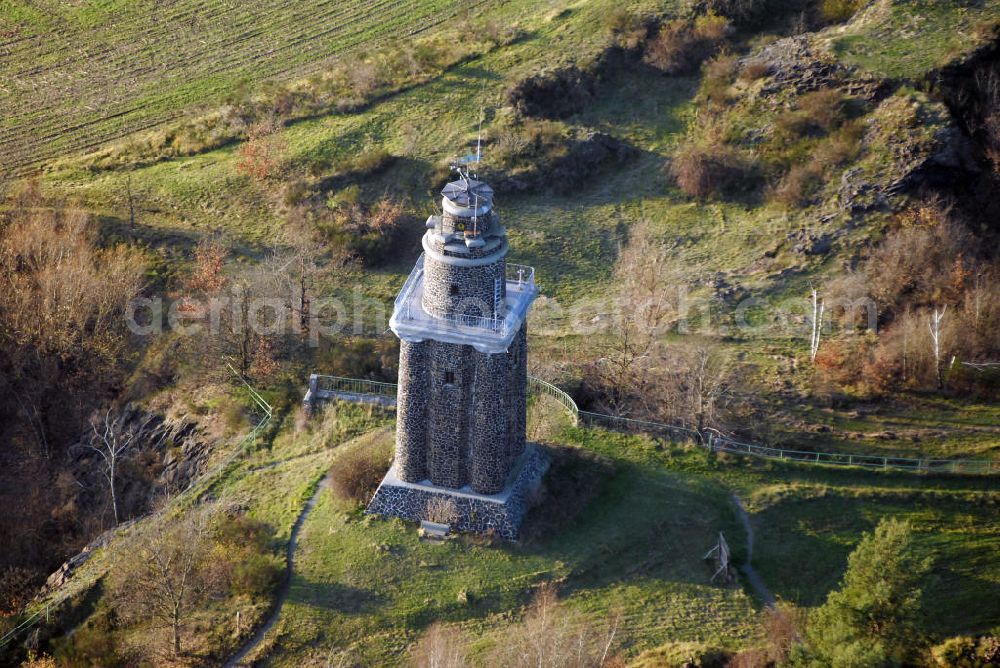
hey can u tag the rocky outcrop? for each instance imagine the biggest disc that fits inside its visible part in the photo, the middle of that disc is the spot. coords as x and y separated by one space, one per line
166 456
66 571
911 144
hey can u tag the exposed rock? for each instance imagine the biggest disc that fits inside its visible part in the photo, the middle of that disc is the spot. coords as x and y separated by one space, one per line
911 143
66 571
795 64
166 456
808 243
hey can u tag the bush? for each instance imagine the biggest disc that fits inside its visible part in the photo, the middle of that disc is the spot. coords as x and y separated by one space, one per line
743 11
701 170
718 75
680 47
372 234
799 185
557 94
241 555
440 647
838 11
356 473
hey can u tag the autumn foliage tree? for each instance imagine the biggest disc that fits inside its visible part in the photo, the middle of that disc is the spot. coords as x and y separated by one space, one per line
262 156
64 350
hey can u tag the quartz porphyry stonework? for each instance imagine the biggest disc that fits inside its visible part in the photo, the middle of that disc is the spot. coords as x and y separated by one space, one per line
461 403
463 509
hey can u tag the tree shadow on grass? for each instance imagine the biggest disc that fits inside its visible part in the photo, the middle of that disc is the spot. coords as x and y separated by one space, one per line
334 596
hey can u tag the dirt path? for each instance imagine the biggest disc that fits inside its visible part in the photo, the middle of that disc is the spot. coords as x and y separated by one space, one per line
751 576
293 542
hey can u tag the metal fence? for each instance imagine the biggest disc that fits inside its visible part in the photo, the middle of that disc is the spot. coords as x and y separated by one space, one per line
31 618
721 443
709 438
319 384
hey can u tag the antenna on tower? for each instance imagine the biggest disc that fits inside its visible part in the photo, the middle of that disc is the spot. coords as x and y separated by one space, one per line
475 214
479 141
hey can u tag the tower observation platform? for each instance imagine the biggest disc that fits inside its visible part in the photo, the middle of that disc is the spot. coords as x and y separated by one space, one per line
461 317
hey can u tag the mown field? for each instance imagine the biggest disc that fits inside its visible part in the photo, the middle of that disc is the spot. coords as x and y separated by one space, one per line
76 75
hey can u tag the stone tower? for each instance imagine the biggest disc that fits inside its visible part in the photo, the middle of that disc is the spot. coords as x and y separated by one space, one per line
461 406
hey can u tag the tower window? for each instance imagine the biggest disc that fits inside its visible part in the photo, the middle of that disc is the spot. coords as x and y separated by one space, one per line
453 289
449 377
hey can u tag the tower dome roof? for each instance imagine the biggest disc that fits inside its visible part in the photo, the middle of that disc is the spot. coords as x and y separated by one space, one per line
468 196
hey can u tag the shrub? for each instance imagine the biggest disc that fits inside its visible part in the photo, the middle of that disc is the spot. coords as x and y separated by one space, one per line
627 28
554 635
680 46
826 106
718 74
262 156
799 185
755 69
556 94
958 652
369 233
356 473
440 647
701 170
743 11
17 587
838 11
255 575
816 114
241 556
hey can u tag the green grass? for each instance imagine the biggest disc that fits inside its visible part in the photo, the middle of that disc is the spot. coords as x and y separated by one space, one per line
907 39
370 587
804 534
366 589
572 240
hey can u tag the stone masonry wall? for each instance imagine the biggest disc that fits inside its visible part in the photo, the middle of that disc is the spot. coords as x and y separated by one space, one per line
472 513
448 418
488 462
411 410
517 390
451 289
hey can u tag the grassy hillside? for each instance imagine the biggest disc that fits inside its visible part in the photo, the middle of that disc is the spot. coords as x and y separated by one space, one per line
91 90
574 238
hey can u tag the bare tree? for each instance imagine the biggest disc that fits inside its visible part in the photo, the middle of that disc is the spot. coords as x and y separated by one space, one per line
647 272
622 369
935 328
112 442
553 635
441 647
293 273
817 325
166 573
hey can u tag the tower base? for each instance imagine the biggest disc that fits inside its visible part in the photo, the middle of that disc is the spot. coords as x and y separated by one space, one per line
463 509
